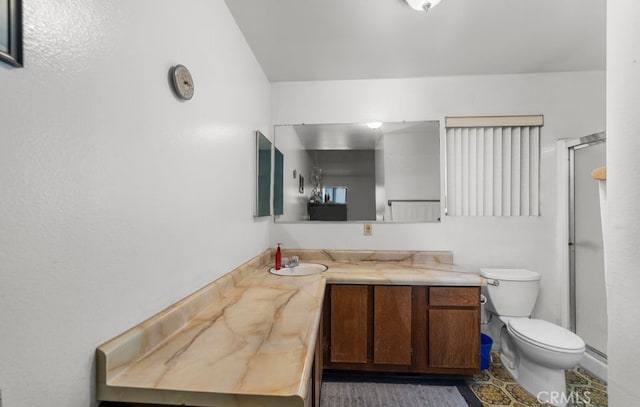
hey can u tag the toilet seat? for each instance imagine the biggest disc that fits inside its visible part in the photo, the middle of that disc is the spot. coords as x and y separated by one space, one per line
546 335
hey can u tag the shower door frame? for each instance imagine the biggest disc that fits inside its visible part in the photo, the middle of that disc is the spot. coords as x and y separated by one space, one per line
572 146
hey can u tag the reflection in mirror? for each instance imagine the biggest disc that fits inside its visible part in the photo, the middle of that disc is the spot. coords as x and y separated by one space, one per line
263 157
391 173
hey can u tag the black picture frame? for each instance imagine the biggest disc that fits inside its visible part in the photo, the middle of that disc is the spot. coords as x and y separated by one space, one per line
11 48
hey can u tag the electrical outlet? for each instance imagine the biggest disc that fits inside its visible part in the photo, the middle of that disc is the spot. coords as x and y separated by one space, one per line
367 232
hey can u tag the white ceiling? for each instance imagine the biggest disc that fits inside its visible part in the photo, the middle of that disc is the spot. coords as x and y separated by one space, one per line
301 40
355 136
337 136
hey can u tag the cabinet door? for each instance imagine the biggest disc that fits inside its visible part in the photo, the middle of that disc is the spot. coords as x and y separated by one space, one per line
349 310
392 325
454 338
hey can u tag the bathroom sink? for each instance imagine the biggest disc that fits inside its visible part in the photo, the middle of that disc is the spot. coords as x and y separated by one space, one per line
303 269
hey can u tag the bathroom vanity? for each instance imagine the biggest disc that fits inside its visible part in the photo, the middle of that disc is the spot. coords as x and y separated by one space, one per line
252 338
418 329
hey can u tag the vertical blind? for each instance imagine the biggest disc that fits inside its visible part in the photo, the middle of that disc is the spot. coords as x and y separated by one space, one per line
493 166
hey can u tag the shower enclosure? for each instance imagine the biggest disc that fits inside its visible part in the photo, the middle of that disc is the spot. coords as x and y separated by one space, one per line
587 281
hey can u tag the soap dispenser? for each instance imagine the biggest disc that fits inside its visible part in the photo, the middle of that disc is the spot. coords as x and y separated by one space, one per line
278 264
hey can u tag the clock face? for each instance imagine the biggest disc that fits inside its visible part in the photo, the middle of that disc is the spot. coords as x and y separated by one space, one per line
183 82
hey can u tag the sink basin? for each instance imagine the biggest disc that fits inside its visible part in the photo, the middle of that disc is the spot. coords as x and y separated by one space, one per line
304 269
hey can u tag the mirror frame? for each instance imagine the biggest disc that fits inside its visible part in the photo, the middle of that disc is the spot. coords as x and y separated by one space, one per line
13 55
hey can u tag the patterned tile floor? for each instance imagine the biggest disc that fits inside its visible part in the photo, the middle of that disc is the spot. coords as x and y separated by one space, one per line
496 388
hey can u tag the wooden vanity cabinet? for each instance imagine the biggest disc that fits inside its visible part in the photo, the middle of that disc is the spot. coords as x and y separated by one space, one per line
391 328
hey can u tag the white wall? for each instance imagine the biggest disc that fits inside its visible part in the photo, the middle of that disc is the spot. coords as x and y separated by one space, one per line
412 165
622 229
296 158
117 198
381 196
573 105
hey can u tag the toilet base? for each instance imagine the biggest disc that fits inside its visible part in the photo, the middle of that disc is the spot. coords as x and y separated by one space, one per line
546 384
509 365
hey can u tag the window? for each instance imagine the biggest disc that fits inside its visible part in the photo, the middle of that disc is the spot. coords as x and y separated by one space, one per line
337 195
493 166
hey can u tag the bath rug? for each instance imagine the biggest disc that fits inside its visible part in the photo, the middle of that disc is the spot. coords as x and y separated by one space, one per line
364 391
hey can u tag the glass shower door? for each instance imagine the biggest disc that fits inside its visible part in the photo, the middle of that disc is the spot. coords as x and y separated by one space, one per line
589 303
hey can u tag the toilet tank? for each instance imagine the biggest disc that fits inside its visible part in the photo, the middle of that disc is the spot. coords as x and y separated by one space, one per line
512 292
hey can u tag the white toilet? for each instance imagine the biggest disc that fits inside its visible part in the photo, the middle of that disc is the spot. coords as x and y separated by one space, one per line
534 351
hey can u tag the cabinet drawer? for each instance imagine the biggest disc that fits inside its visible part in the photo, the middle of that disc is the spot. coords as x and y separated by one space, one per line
454 296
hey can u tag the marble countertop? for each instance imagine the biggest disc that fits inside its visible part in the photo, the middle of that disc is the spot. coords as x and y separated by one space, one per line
247 339
389 267
398 274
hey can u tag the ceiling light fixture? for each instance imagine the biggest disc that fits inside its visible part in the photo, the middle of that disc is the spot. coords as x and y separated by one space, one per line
374 125
422 5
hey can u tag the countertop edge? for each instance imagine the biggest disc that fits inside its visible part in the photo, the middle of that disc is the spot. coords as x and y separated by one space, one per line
307 370
192 398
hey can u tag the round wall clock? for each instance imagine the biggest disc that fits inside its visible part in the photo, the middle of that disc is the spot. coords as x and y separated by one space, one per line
182 82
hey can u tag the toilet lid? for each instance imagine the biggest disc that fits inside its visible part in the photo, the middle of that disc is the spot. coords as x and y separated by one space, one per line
510 274
546 335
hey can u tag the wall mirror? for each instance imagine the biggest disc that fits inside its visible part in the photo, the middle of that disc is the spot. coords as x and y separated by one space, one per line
263 182
361 172
11 32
